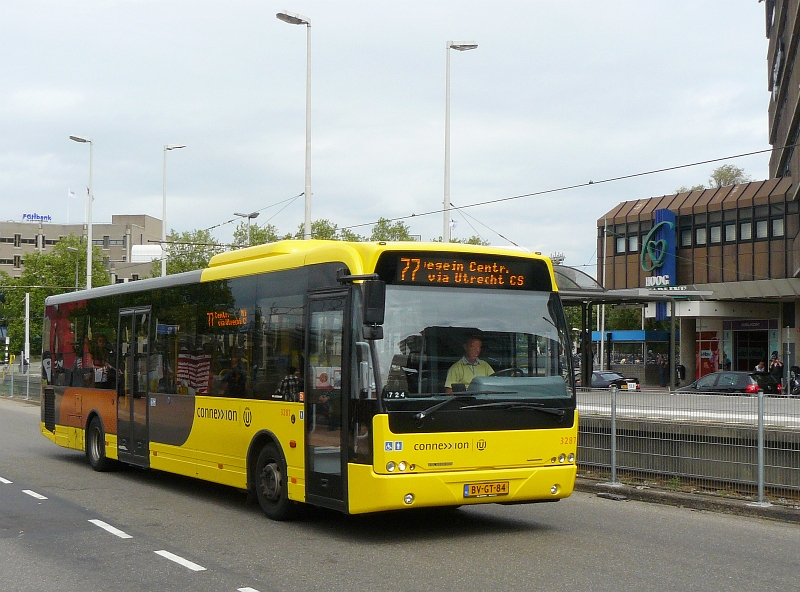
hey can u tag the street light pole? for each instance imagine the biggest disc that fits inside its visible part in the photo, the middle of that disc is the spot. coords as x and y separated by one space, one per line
167 148
458 46
74 250
296 19
89 210
249 217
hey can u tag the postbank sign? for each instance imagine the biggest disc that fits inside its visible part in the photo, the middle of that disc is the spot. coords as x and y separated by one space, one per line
658 251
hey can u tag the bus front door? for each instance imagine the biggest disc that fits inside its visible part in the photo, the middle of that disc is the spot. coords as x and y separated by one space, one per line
324 401
133 442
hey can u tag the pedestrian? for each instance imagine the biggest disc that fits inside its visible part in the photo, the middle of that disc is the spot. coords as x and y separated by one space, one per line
776 367
663 370
761 366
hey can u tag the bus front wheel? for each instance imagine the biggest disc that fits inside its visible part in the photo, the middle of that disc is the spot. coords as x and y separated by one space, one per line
270 484
96 446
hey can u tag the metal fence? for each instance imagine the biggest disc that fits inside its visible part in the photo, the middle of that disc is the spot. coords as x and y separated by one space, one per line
20 384
695 441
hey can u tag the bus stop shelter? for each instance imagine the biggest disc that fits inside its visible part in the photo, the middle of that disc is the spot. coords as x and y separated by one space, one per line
578 288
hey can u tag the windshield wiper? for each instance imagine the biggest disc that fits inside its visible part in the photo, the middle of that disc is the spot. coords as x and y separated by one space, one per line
513 405
440 404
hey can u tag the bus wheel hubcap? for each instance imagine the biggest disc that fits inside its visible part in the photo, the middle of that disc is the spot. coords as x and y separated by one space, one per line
271 481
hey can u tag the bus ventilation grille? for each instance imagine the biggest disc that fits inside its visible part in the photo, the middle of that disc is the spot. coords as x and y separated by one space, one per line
50 409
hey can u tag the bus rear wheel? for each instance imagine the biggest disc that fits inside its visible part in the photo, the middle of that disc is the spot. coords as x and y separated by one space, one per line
270 484
96 446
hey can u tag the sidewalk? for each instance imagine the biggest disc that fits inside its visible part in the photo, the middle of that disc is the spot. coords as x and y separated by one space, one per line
694 501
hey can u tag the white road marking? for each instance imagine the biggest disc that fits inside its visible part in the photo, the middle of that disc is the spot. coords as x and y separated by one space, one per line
6 481
246 590
34 494
111 529
180 560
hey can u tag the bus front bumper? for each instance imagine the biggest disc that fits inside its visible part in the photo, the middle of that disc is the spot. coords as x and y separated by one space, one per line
371 492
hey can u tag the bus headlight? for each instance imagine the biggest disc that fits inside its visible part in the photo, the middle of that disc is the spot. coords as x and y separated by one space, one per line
571 457
554 489
408 499
390 466
402 465
562 457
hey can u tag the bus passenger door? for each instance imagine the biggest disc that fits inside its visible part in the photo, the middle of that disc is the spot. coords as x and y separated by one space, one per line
133 344
325 403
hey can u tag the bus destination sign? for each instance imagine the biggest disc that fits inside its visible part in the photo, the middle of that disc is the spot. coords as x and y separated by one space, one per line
440 270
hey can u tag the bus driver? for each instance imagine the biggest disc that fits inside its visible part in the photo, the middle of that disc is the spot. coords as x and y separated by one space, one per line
468 367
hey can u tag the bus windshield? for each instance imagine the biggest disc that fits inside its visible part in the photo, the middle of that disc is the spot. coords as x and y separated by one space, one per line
432 337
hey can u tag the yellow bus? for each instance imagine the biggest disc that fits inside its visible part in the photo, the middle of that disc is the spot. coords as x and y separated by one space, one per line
356 376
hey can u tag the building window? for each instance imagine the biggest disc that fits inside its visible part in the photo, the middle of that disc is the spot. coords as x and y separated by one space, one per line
730 233
762 228
17 240
134 277
686 238
105 241
17 261
700 236
633 244
777 227
715 233
745 231
620 245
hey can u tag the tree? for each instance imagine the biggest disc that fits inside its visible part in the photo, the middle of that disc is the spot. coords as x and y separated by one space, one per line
188 251
623 319
256 235
722 176
685 189
45 274
473 240
384 230
727 174
326 230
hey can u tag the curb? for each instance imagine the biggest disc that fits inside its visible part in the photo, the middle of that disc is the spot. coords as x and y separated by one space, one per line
694 501
30 401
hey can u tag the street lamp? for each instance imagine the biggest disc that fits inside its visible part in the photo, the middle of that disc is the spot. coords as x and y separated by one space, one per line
89 210
74 250
249 217
167 148
296 19
458 46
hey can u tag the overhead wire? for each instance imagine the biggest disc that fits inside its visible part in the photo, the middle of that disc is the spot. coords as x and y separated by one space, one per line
289 200
579 185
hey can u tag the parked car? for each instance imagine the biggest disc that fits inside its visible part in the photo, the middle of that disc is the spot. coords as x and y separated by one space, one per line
607 379
734 383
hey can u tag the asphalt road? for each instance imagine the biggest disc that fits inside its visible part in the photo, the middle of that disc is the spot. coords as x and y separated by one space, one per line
210 538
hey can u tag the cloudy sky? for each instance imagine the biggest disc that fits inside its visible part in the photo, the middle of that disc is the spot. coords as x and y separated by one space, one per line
556 94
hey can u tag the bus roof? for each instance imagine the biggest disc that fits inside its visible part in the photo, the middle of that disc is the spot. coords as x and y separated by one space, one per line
360 257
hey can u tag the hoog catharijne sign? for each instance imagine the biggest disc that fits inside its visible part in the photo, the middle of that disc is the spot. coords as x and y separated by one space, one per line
658 255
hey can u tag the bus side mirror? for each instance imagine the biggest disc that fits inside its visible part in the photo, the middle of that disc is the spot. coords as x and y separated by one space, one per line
374 301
